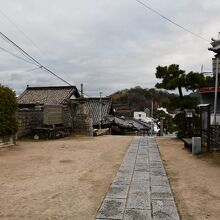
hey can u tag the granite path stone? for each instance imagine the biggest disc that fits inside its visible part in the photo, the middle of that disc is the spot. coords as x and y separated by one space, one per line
140 190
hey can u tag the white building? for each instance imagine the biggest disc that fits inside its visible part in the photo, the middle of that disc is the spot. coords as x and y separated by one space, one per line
143 117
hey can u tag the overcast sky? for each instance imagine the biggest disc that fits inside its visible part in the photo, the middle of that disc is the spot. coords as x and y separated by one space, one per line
108 45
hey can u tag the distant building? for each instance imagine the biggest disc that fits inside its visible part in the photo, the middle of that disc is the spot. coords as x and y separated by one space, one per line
141 116
163 109
99 110
122 126
207 93
122 110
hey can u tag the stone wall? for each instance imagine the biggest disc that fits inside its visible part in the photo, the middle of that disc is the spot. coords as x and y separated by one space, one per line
83 125
29 119
67 117
32 118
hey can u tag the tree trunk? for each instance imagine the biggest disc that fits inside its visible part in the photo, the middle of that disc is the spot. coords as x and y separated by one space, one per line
180 92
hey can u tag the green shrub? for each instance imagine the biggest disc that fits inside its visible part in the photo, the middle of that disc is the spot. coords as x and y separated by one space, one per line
187 127
8 108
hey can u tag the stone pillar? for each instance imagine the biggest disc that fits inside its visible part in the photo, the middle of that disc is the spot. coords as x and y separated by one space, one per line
196 145
82 124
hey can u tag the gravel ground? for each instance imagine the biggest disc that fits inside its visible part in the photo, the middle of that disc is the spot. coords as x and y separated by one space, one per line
59 179
194 180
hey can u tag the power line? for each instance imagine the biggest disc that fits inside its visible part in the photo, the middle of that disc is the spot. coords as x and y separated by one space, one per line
7 51
37 63
18 49
173 22
105 95
28 70
20 30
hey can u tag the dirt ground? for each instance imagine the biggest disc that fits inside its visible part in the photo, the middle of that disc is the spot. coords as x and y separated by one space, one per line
60 179
195 180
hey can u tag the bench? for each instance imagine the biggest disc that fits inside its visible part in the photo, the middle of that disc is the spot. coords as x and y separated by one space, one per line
187 143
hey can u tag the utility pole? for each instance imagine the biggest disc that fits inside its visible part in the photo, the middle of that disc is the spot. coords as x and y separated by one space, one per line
152 113
100 112
216 49
202 68
216 90
82 90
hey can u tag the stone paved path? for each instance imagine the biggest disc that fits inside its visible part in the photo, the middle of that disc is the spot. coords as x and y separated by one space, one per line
140 190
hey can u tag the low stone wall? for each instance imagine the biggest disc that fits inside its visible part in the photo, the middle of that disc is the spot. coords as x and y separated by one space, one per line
29 119
7 140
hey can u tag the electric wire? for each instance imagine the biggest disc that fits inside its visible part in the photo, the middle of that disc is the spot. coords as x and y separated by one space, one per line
7 51
28 70
105 95
169 20
21 31
23 52
19 48
9 42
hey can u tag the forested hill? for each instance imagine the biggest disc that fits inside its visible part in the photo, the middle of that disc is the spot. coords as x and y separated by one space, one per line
138 99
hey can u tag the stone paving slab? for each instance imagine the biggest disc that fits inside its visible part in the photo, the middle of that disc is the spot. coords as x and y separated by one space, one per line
141 167
156 164
118 191
140 189
164 210
134 214
140 186
159 181
161 193
157 171
121 181
112 209
141 176
139 200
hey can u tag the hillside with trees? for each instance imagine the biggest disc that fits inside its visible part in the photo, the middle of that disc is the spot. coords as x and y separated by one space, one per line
138 99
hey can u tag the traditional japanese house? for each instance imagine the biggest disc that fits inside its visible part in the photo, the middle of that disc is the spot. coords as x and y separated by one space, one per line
33 101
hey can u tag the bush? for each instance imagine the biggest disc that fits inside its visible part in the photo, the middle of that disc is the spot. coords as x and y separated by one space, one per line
182 125
8 108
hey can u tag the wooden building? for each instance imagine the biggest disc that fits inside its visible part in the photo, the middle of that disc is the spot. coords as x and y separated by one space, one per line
33 100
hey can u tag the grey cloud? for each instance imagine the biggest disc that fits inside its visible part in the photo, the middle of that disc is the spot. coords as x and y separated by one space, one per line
108 45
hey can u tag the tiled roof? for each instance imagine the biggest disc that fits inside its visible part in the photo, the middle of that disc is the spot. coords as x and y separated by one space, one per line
139 124
210 89
119 121
92 108
128 123
47 95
